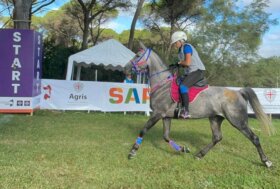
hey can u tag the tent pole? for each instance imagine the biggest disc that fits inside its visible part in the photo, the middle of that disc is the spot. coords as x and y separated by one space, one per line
73 70
79 73
96 75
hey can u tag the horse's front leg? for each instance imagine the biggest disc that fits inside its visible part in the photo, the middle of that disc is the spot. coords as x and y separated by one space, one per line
149 124
166 130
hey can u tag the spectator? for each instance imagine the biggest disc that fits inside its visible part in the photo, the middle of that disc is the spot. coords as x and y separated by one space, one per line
128 78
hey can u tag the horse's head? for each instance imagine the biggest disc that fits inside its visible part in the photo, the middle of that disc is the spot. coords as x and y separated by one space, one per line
140 61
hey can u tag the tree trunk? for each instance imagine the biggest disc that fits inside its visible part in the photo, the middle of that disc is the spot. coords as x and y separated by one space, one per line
172 26
85 34
22 14
133 24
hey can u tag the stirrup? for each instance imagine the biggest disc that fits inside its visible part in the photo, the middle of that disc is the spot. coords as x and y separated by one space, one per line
184 114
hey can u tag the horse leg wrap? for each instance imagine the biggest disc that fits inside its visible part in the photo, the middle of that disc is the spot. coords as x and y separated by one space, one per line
139 141
174 145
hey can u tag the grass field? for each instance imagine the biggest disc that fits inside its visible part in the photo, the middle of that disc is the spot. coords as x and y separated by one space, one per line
81 150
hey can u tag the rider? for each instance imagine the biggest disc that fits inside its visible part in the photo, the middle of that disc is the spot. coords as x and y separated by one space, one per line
193 68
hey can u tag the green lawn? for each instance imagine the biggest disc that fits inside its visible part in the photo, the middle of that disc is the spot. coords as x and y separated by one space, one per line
81 150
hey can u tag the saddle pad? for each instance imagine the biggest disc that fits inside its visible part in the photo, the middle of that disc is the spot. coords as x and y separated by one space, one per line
193 91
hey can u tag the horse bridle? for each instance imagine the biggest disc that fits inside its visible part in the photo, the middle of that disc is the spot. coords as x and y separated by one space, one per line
136 67
137 63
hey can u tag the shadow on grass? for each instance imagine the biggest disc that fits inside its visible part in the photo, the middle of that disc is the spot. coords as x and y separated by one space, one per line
190 138
246 158
195 139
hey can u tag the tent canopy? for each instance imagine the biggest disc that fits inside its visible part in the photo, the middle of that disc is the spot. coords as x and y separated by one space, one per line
111 54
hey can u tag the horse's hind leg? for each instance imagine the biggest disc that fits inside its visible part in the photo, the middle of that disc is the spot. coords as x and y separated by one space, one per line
241 123
216 135
149 124
255 140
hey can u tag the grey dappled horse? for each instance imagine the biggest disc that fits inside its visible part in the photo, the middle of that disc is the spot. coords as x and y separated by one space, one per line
215 103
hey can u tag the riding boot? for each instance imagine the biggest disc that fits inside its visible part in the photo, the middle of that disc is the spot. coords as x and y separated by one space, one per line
185 109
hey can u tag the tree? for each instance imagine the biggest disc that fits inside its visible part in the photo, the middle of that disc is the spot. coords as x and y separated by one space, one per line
5 7
228 34
133 24
55 60
91 9
24 9
21 11
176 14
60 28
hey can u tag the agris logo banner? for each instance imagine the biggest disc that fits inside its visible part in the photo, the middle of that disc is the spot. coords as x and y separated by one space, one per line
102 96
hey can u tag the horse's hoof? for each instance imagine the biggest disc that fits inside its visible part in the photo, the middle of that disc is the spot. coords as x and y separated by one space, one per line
131 155
185 149
268 163
198 156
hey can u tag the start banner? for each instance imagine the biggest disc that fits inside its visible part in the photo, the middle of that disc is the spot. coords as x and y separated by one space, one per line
20 70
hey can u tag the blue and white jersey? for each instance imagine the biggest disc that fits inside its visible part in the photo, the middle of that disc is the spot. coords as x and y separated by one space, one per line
196 63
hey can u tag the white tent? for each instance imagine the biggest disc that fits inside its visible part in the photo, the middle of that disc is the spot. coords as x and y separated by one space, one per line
111 54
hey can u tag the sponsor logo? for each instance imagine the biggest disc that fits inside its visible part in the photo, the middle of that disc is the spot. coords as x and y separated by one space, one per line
11 102
8 103
77 97
270 95
132 95
47 91
19 102
78 87
27 103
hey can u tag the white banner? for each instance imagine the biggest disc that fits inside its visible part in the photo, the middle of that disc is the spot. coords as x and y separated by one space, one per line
89 95
268 97
112 97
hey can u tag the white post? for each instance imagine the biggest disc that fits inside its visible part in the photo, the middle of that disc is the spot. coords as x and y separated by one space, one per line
277 81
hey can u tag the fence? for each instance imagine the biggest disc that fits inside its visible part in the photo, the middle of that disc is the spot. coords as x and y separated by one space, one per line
120 97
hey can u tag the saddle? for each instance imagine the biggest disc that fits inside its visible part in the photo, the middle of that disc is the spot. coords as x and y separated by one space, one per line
194 91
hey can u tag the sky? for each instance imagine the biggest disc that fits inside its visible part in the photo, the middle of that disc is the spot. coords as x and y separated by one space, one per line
270 41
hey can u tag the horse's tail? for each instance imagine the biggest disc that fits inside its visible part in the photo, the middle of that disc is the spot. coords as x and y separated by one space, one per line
251 96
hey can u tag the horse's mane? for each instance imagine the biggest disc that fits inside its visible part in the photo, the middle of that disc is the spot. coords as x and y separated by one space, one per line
154 55
157 58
